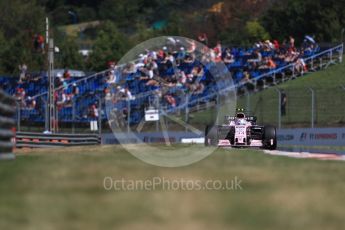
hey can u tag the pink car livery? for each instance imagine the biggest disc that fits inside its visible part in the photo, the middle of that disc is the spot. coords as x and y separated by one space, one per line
241 131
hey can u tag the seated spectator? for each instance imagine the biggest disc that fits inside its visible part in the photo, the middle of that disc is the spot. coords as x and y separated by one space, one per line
108 95
300 66
189 58
192 46
149 76
180 55
291 42
30 103
291 55
257 59
197 71
110 77
20 95
60 98
268 45
170 99
58 81
247 81
66 75
111 65
246 77
124 93
197 88
203 39
129 69
228 57
268 64
75 89
69 100
171 81
23 71
276 45
218 52
181 78
64 84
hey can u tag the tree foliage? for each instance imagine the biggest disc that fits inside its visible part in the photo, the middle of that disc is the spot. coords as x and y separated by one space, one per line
19 21
255 31
110 45
126 22
324 19
69 56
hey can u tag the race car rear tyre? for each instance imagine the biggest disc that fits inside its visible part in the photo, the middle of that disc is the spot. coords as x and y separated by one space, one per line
270 138
211 135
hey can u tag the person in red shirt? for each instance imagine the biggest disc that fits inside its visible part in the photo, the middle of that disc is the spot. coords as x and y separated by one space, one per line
39 43
66 75
276 44
93 111
203 39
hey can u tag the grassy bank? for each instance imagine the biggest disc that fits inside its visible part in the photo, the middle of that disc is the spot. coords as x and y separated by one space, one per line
63 189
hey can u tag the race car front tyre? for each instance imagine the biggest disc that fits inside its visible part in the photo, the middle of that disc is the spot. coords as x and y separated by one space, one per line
270 138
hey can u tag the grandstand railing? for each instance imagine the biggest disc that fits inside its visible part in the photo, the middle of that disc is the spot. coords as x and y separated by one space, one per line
329 54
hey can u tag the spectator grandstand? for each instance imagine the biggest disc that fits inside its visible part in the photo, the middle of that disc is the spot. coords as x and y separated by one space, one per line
168 74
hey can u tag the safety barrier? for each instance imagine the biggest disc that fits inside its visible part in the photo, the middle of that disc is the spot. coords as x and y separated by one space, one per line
40 140
7 122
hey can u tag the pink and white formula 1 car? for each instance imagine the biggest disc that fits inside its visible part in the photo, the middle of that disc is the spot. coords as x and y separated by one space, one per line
241 131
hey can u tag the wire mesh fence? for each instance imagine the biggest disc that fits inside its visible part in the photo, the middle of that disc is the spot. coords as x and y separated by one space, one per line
298 107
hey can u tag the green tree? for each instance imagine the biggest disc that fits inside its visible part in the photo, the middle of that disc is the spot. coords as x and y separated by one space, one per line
255 31
324 19
69 56
3 48
110 45
19 21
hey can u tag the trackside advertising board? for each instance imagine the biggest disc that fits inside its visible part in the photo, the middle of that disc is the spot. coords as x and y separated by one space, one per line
312 137
299 136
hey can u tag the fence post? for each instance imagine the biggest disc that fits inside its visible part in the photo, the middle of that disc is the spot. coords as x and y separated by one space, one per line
343 87
312 63
279 107
46 114
312 106
321 63
158 107
128 114
247 101
73 115
187 109
218 108
100 115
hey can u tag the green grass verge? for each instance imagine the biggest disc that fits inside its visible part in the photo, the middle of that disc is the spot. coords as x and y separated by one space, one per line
63 189
329 101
